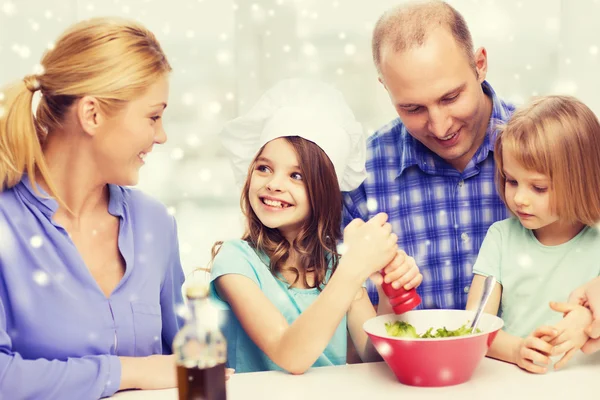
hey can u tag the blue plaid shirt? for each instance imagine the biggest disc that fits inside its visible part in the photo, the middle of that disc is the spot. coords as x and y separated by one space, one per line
439 214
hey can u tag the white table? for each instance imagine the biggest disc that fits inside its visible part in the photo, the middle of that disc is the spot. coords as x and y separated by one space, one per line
373 381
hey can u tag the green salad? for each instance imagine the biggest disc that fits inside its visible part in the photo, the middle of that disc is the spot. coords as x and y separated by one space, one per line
404 329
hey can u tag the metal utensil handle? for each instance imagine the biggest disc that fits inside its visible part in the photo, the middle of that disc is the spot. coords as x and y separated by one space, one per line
488 286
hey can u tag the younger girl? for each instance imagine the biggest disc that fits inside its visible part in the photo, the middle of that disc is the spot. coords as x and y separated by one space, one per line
290 296
547 167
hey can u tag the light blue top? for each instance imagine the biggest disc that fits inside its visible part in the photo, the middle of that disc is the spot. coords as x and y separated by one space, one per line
532 274
60 336
237 257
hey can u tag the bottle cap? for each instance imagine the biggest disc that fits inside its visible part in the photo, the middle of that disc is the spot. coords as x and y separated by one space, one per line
196 291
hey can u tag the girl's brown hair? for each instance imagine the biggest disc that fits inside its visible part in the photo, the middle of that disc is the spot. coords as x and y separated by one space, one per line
316 243
557 136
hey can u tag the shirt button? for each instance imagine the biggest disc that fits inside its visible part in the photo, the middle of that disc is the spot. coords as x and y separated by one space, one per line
466 289
464 236
461 183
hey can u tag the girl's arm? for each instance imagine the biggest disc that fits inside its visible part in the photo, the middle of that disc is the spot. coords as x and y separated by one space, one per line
506 347
295 348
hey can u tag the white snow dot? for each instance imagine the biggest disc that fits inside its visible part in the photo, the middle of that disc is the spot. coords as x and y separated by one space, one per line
187 99
9 8
171 210
524 261
50 45
215 107
223 36
90 7
350 49
372 205
177 153
223 57
552 24
181 310
185 248
41 278
190 34
342 35
309 49
229 96
48 14
567 61
384 349
156 338
36 241
92 336
39 69
205 175
342 248
287 48
528 67
1 96
445 374
593 50
339 71
193 140
148 237
125 9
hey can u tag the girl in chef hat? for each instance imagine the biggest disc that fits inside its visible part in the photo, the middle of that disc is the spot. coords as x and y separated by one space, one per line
289 295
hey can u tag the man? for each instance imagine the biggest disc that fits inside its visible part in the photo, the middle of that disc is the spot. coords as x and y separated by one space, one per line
432 170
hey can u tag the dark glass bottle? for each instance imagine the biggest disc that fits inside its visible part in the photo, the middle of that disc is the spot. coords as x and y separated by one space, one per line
200 350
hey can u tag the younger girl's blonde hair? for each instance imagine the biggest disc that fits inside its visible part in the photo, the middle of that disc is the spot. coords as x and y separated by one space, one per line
113 60
557 136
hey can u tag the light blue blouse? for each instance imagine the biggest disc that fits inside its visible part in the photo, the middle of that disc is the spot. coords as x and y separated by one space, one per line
60 336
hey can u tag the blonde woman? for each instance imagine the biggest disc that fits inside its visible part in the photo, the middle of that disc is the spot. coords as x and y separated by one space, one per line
89 269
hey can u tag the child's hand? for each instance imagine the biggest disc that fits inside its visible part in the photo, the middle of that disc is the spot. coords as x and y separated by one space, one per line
401 272
370 245
534 350
571 331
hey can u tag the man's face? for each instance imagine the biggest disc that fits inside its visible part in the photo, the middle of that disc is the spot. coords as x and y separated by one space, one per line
438 95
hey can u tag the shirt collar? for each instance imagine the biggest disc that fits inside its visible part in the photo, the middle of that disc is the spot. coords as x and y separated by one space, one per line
48 205
415 153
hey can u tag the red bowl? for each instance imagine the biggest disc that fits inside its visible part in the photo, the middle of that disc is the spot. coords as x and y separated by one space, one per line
433 362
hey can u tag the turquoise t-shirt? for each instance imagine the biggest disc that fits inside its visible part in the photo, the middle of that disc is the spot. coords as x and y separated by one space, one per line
532 274
237 257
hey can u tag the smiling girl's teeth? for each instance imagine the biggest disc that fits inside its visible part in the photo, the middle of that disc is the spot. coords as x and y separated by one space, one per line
142 156
273 203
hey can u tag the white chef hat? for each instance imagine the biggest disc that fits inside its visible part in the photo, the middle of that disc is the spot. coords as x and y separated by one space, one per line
300 107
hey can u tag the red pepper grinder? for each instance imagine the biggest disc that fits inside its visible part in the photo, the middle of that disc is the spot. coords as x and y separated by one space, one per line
401 300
